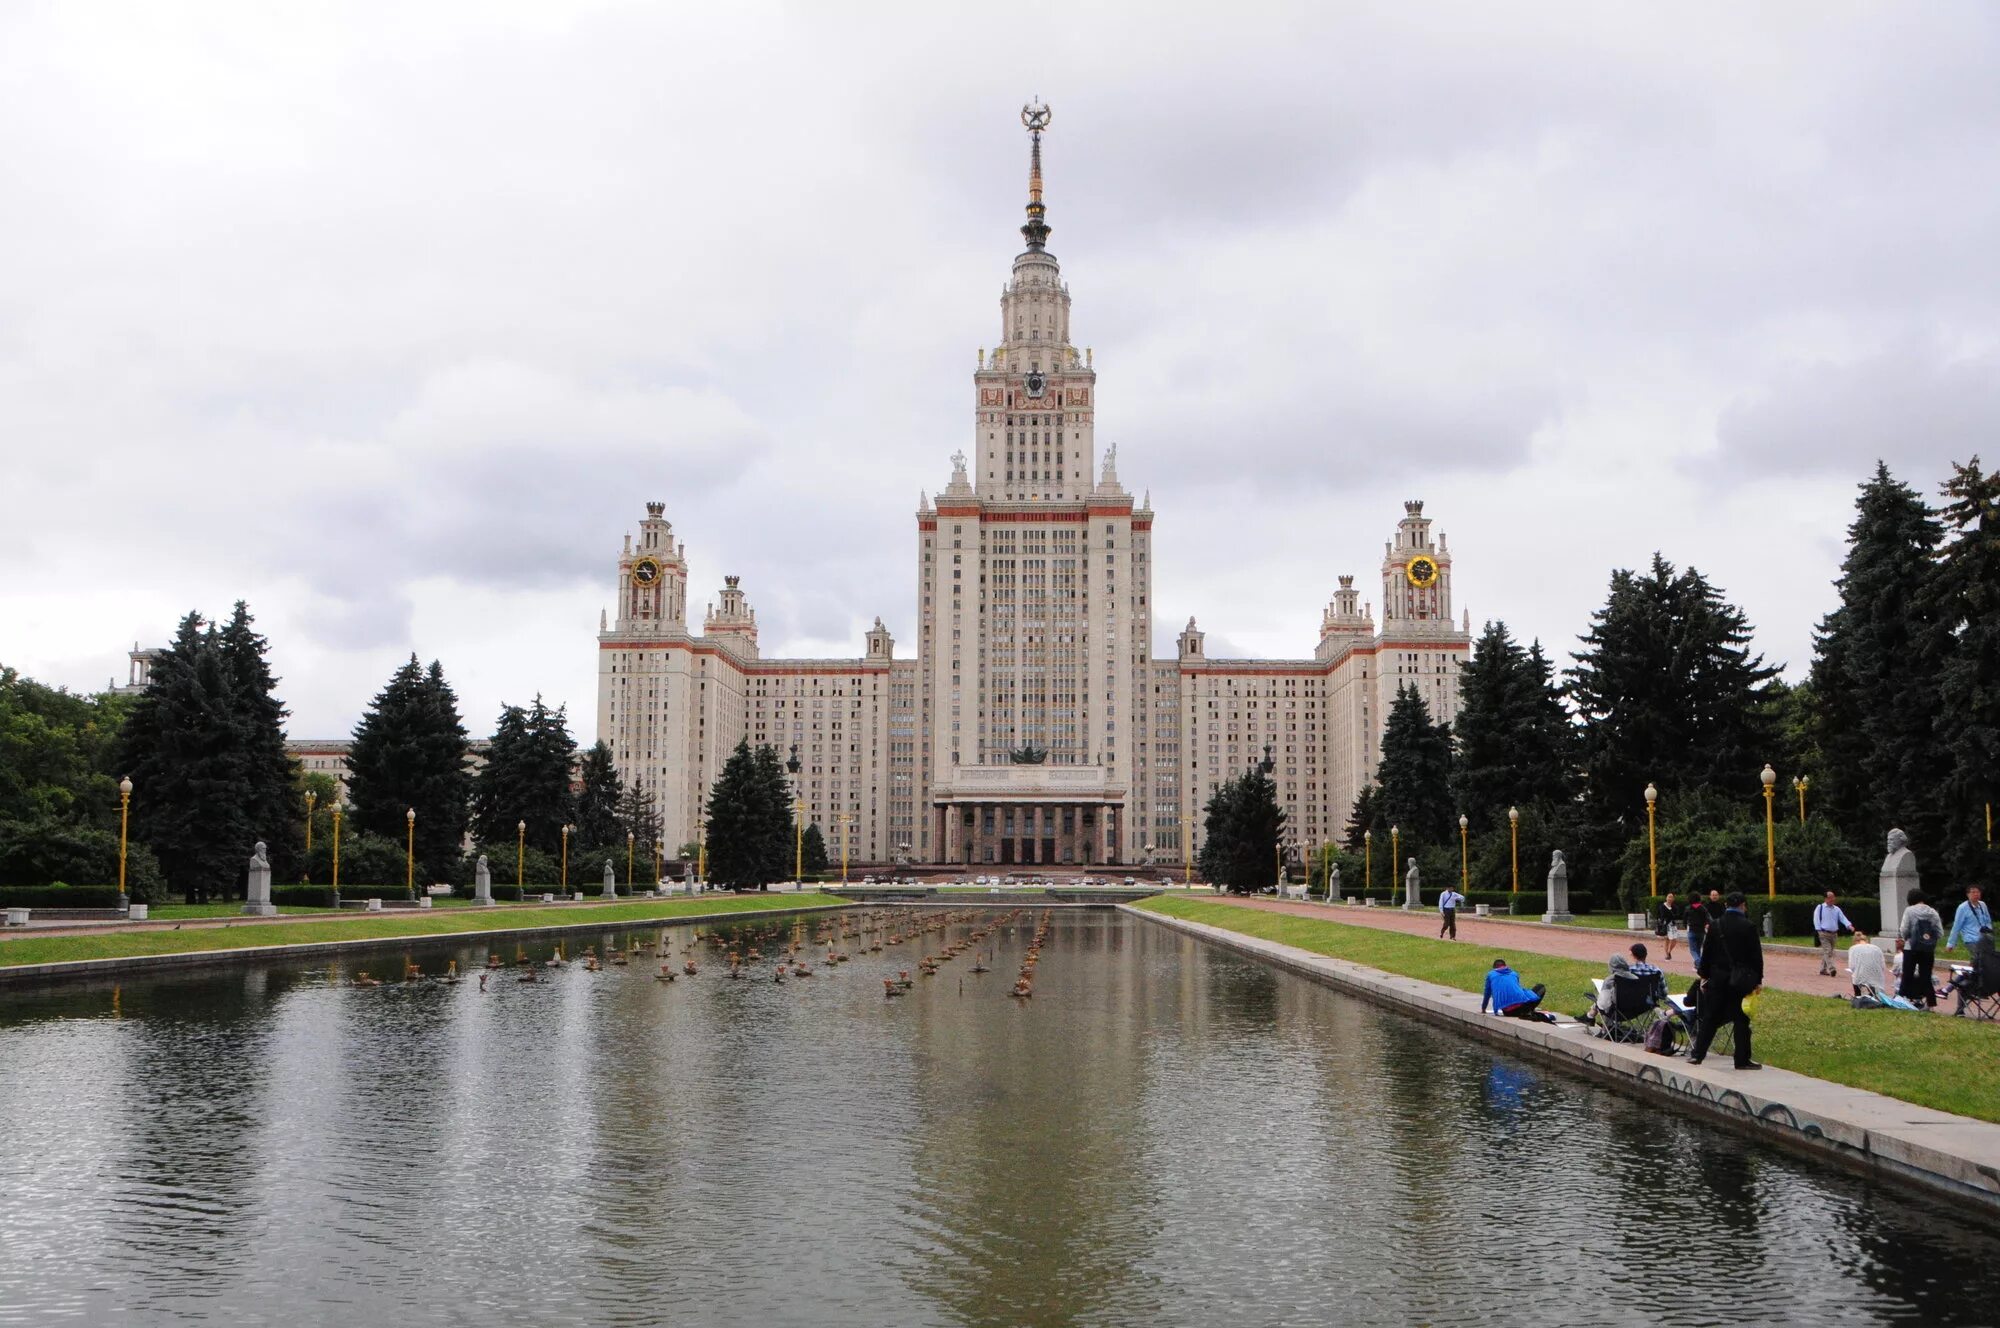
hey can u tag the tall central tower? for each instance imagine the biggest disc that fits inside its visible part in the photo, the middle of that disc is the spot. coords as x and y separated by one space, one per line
1034 577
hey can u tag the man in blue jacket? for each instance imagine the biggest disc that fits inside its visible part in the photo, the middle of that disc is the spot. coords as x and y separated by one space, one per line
1972 918
1508 997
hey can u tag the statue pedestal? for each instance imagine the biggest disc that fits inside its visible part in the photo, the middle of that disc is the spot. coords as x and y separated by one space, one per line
482 884
1897 878
257 898
256 910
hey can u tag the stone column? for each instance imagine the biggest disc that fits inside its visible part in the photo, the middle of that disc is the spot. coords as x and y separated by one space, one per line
1898 877
482 883
257 899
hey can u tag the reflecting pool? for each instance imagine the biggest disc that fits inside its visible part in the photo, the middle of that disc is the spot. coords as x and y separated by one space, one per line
1162 1134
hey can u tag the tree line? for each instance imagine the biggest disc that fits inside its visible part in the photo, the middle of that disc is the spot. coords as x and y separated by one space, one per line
1897 725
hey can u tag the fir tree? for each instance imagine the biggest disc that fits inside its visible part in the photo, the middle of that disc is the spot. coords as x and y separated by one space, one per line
815 851
1876 671
1514 741
270 776
597 819
180 746
409 755
1669 694
1365 816
1242 828
748 847
1967 592
637 817
526 778
1414 777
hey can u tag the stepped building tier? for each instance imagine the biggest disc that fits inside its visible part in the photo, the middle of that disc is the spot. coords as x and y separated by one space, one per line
1033 725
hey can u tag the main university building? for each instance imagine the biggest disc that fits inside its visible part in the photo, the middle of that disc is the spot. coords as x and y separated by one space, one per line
1033 725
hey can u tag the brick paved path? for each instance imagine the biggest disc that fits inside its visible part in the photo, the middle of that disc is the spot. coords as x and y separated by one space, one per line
1788 969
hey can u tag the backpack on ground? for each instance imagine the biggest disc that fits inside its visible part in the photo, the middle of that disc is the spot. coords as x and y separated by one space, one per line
1660 1037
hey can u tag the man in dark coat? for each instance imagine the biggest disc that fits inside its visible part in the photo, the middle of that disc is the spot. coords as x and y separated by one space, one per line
1731 968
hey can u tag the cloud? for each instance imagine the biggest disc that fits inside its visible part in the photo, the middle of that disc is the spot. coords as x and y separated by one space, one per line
390 321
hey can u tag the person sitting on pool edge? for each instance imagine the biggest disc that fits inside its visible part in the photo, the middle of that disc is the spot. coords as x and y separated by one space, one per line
1508 997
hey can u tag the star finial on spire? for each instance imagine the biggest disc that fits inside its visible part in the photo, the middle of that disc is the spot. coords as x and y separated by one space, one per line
1035 116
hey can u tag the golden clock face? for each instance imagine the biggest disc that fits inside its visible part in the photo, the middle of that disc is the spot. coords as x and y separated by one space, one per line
1423 573
645 572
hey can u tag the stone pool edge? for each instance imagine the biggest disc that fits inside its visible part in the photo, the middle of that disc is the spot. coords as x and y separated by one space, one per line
1942 1153
78 969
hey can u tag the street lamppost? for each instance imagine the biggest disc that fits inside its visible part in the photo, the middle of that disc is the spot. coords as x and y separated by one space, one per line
311 798
1368 858
1770 778
1801 784
520 854
1187 857
124 822
1652 842
629 838
565 857
657 847
336 847
845 819
1464 860
798 821
701 850
410 853
1514 844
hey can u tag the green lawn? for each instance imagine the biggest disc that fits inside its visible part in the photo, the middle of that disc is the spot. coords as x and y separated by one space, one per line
1935 1061
403 924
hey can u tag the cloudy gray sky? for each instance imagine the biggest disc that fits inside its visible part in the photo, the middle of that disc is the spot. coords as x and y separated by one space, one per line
389 318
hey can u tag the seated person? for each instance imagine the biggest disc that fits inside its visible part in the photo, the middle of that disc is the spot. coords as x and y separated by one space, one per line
1607 991
1508 997
1639 968
1983 977
1867 969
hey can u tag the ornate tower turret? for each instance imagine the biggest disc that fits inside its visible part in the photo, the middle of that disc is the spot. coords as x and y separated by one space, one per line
652 577
734 625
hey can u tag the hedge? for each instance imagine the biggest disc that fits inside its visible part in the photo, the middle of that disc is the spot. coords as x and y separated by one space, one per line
59 896
304 896
1792 915
375 892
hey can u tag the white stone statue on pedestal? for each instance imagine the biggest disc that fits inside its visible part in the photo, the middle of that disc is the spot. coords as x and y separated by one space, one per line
1558 886
1898 878
1413 885
610 881
1333 885
257 899
482 882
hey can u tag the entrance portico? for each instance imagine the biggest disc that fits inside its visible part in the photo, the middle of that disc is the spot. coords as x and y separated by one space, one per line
1029 815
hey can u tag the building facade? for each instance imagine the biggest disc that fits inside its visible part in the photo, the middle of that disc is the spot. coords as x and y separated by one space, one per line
1032 724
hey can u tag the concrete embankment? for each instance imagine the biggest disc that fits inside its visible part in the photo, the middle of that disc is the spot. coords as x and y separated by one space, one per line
1949 1155
181 961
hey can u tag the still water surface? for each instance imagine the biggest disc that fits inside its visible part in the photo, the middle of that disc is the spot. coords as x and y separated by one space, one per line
1164 1135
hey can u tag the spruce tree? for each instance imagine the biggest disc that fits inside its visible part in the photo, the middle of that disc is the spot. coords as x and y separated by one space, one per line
597 799
1365 816
270 776
180 745
527 778
1670 694
1241 831
1876 671
1414 777
409 755
745 847
815 850
636 816
1967 591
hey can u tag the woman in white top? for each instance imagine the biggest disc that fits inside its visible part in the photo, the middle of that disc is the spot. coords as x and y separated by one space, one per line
1865 966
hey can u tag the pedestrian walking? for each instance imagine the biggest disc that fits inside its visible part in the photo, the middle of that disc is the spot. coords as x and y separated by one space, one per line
1917 943
1448 906
1701 915
1828 922
1972 918
1732 971
1666 917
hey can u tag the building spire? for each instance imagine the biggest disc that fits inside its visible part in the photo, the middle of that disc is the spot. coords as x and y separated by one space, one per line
1036 117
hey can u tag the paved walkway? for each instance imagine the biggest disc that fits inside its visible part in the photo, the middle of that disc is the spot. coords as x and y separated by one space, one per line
1786 969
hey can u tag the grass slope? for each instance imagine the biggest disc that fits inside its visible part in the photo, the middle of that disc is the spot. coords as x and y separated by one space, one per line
29 949
1932 1060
